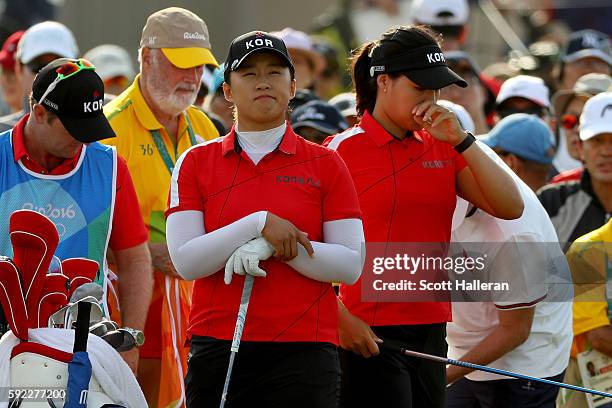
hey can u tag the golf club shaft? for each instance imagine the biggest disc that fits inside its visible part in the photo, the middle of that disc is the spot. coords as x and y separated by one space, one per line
242 311
503 28
499 371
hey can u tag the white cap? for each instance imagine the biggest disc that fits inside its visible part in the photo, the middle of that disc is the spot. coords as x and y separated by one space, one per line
49 37
110 61
464 117
524 86
299 41
596 116
440 12
346 103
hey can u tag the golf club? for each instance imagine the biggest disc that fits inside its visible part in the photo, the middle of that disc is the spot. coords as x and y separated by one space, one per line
492 370
242 311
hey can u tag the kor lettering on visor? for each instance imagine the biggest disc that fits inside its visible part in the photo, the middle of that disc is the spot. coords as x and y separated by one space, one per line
259 42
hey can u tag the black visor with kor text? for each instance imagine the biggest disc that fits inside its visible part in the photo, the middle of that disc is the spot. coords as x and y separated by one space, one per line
249 43
425 66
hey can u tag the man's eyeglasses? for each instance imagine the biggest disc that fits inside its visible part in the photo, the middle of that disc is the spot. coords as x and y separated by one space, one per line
66 71
569 121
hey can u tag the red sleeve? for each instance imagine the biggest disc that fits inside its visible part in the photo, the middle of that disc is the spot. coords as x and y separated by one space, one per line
129 229
340 197
185 193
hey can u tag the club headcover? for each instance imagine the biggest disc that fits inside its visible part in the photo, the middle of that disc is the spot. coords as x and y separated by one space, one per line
79 271
12 298
54 296
34 238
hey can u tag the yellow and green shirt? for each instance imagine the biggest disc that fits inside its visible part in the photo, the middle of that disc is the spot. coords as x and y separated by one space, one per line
149 151
590 260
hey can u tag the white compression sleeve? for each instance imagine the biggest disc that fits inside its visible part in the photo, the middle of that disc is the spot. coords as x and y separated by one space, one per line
339 259
197 254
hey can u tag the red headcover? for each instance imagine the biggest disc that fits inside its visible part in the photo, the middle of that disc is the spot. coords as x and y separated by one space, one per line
12 298
34 238
54 297
79 271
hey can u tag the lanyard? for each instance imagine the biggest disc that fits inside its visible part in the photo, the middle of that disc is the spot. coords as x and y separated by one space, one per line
161 146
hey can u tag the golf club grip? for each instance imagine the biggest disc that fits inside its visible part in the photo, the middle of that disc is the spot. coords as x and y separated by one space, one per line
81 331
242 312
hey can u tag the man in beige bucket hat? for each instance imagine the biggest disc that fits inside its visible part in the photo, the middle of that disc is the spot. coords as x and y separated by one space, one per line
155 123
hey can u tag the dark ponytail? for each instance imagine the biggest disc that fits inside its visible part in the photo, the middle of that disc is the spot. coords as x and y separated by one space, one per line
364 84
394 41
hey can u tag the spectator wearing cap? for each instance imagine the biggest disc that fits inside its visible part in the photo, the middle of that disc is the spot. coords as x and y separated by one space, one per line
578 207
155 122
525 329
114 65
391 154
346 103
568 105
316 120
308 62
9 85
52 159
524 94
476 98
288 350
216 103
39 45
447 17
586 52
526 144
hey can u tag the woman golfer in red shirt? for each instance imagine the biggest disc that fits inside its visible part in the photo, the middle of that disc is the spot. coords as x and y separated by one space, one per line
259 191
408 158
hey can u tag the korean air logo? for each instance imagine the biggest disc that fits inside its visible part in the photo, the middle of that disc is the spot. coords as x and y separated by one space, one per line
437 164
298 180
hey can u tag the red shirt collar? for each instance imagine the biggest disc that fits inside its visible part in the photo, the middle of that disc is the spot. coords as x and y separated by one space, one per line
378 133
20 153
288 145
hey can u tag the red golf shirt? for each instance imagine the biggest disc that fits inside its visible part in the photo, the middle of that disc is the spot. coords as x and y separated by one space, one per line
302 182
406 191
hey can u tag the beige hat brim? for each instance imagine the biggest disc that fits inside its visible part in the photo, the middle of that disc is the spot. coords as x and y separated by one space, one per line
190 57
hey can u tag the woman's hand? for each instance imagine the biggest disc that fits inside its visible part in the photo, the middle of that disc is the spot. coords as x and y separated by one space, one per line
284 237
355 335
440 122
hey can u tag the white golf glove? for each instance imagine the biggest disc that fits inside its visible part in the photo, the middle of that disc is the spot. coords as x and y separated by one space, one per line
246 259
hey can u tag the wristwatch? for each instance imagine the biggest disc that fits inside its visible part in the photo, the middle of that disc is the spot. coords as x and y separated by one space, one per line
465 143
138 335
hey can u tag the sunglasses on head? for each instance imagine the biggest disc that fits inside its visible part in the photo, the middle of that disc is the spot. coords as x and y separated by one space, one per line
66 71
569 121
